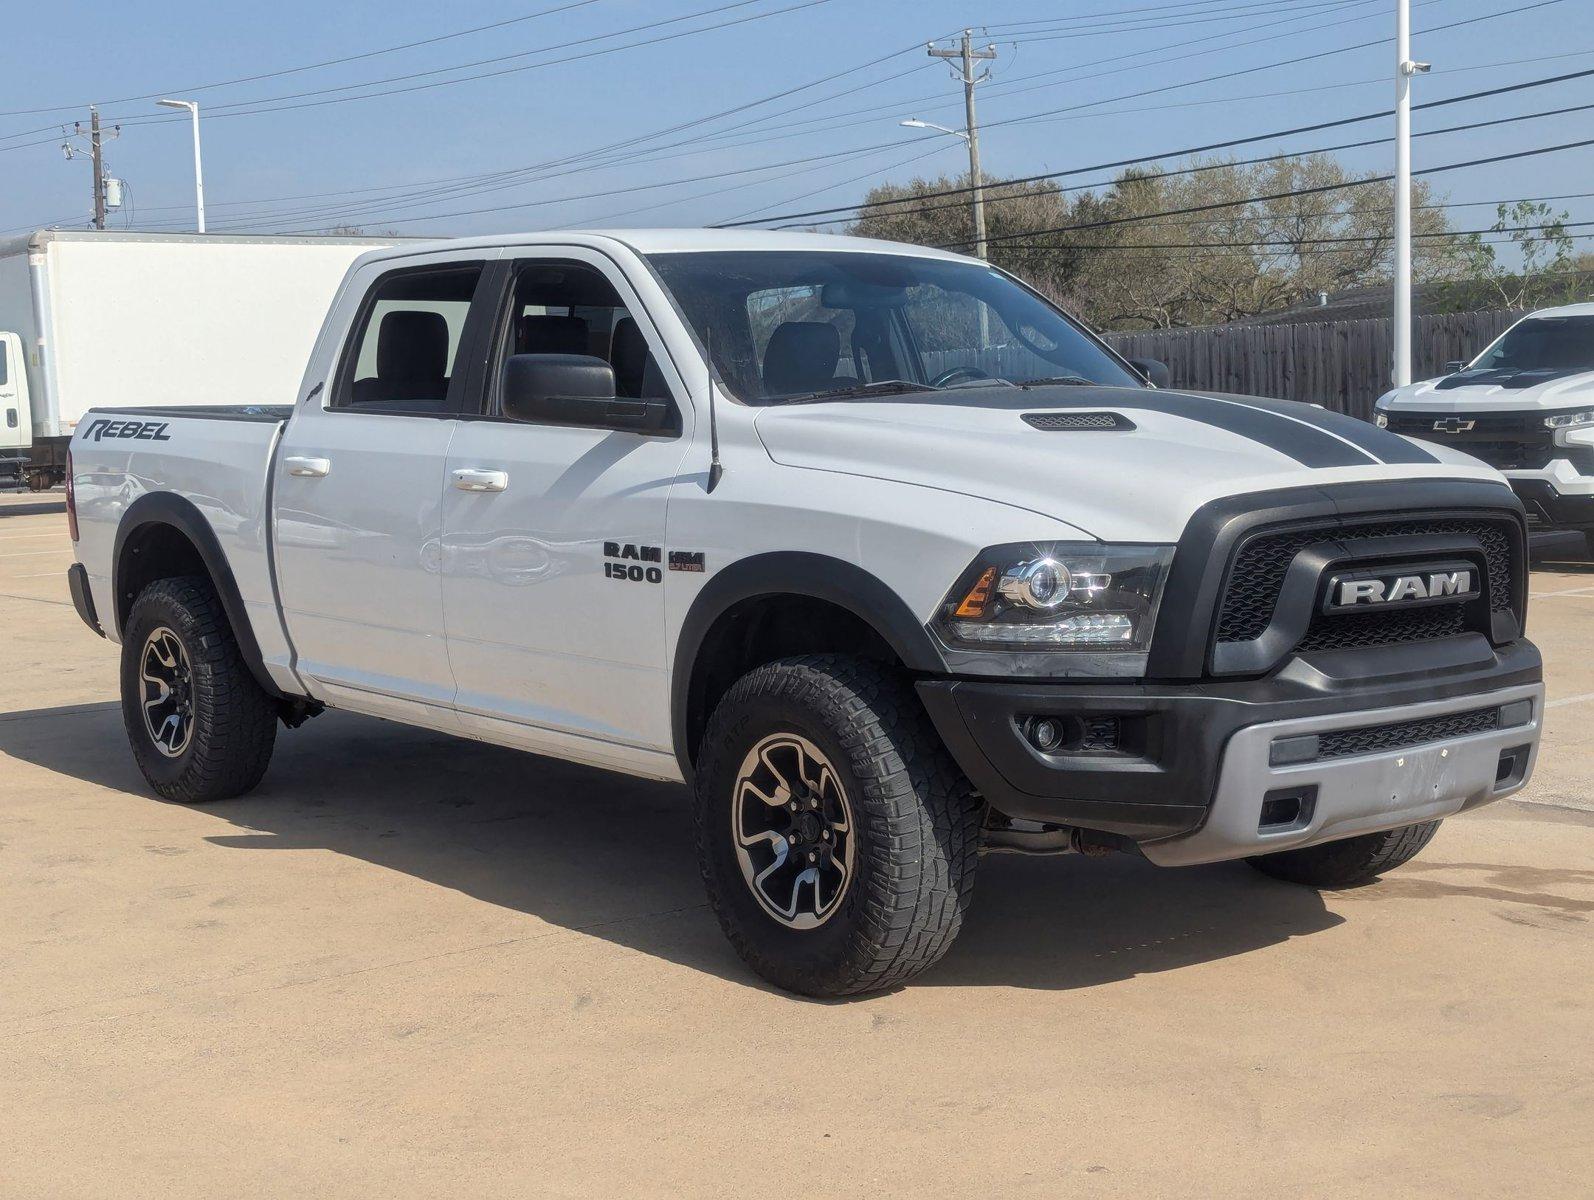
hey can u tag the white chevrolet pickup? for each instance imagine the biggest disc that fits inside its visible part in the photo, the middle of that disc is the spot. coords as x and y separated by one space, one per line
887 558
1526 406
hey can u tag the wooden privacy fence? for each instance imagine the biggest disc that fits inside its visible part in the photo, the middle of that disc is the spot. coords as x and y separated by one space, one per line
1342 365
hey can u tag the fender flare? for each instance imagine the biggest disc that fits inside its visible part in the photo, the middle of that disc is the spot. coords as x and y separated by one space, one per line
793 573
181 514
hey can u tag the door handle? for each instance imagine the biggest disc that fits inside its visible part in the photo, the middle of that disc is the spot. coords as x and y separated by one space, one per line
472 479
309 468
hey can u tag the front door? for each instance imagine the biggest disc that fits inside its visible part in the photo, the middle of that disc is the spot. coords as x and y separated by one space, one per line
554 557
358 497
16 421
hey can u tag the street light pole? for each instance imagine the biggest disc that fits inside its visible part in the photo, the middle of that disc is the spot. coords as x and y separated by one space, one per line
199 171
1405 68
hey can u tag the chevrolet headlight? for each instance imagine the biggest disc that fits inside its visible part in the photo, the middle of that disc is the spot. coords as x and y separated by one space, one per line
1575 420
1061 596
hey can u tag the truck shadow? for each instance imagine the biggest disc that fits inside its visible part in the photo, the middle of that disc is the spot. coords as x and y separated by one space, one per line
612 857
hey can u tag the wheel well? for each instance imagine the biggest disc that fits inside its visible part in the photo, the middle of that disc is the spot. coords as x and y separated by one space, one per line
151 552
760 630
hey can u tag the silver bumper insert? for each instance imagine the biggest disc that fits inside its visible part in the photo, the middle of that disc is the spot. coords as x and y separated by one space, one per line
1260 807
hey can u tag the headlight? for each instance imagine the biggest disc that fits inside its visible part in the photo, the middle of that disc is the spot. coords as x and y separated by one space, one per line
1063 596
1381 420
1569 420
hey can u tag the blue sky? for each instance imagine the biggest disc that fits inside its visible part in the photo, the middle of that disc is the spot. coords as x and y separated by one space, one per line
827 153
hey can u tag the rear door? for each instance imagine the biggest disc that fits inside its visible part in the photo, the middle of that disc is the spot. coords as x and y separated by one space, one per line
554 558
359 486
16 419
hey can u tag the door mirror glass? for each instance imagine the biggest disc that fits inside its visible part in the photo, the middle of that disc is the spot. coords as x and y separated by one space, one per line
573 389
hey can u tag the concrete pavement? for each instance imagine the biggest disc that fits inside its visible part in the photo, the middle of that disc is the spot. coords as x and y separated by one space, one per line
414 966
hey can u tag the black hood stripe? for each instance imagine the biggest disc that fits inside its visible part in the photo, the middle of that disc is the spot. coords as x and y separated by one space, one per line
1304 442
1382 445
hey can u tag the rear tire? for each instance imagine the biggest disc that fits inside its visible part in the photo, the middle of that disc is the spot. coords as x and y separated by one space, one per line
869 836
1348 863
201 728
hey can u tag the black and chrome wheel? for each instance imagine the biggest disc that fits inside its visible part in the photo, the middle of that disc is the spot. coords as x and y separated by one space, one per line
837 840
166 681
200 726
793 829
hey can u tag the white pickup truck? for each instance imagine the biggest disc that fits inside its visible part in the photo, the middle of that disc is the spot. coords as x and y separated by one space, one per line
881 553
1526 406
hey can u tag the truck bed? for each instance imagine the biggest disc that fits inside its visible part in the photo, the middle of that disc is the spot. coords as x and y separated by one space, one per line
212 466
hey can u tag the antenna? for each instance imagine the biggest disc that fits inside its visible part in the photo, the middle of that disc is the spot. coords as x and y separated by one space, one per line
715 470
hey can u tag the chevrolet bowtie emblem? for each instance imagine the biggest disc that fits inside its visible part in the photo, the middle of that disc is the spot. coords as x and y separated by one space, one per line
1454 425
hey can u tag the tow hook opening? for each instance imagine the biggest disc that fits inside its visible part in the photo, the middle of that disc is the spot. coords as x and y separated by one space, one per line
1286 809
1512 768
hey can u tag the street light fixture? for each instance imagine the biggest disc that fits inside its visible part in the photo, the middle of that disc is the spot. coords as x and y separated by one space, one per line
199 174
915 123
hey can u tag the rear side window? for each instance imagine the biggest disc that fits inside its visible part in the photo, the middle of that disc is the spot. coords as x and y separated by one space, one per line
401 355
5 370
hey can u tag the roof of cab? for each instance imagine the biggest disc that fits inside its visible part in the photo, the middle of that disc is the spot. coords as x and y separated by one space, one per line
1565 310
667 241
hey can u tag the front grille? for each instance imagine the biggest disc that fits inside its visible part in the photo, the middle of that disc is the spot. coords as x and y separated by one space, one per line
1343 743
1259 567
1518 442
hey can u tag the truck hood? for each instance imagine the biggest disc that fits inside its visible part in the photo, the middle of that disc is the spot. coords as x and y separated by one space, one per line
1495 391
1141 483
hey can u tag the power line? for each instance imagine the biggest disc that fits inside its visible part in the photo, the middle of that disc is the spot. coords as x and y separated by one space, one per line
1227 144
316 66
1291 243
1366 181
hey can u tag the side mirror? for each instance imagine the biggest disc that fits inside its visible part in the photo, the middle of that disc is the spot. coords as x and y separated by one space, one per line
573 389
1456 365
1156 373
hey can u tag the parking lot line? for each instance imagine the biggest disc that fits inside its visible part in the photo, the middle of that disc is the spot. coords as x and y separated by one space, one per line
1565 700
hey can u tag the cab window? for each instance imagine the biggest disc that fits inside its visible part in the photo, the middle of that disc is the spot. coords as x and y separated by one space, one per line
559 307
402 354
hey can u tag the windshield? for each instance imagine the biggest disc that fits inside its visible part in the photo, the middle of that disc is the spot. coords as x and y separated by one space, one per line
1544 343
788 325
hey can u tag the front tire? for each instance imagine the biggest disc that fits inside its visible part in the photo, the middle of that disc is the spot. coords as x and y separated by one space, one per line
1348 863
837 840
201 728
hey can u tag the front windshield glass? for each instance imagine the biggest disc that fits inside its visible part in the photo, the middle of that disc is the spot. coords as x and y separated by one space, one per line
788 325
1543 344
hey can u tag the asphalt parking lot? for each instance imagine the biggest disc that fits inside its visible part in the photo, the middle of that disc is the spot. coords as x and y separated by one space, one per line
413 966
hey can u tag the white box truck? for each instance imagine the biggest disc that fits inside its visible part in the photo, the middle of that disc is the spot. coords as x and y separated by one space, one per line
106 317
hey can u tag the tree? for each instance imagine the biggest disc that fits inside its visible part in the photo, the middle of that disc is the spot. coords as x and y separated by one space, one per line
914 213
1134 255
1551 272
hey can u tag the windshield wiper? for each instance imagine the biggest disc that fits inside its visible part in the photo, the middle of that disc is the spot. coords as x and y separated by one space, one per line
1050 381
881 387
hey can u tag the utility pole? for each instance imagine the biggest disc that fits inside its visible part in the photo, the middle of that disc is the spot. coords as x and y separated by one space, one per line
99 167
1405 68
97 137
969 56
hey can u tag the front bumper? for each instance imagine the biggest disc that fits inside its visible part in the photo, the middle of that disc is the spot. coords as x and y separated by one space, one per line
1556 497
1194 767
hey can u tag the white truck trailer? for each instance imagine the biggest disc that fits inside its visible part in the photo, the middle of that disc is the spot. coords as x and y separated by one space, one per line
100 317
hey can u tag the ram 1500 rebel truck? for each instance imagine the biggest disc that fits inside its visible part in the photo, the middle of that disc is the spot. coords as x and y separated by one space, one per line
883 555
1526 406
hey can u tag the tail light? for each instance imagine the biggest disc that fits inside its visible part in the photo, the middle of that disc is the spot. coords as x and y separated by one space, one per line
71 499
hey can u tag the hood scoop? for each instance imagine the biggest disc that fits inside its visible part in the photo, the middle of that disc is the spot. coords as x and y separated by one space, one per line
1078 422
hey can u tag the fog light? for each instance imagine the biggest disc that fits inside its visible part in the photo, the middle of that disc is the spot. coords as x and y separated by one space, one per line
1045 734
